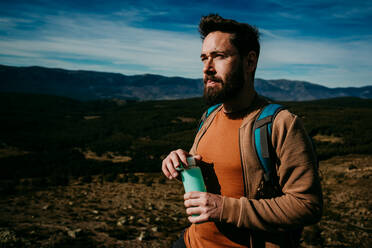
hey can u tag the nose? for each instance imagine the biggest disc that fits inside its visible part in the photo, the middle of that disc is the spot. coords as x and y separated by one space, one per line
208 67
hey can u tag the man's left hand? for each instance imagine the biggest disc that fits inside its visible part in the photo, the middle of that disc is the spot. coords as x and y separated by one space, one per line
207 205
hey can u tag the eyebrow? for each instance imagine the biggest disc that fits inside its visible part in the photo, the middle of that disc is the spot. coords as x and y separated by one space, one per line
214 52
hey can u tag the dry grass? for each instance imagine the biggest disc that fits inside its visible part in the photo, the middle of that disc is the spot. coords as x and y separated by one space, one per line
92 117
347 220
11 151
146 210
107 156
148 213
326 138
184 119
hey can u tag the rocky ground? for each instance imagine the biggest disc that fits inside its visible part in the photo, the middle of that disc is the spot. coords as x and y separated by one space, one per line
145 210
347 218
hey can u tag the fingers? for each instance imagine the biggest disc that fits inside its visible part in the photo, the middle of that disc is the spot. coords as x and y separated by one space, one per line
173 161
194 211
193 195
177 157
198 218
195 202
207 205
172 164
197 157
168 168
197 214
195 199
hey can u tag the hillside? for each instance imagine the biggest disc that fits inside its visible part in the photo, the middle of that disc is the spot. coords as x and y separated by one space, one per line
61 136
87 174
91 85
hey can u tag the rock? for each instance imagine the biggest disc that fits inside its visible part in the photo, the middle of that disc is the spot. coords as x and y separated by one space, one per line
151 206
73 233
121 221
175 218
142 221
7 237
143 235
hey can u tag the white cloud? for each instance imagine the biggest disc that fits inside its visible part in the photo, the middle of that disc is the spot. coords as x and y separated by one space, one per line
93 38
334 63
92 42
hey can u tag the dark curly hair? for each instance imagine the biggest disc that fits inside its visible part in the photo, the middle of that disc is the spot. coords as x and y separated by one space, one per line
244 36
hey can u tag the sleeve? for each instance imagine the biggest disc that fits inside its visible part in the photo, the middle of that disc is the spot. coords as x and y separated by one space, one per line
301 202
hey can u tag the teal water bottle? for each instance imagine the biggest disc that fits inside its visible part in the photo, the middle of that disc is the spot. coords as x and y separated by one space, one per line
192 177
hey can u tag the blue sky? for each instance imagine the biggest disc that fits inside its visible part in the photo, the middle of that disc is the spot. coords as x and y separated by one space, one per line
326 42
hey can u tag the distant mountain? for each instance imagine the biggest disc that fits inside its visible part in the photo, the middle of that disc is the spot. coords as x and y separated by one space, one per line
89 85
287 90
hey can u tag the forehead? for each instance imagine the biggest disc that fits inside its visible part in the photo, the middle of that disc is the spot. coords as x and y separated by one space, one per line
217 41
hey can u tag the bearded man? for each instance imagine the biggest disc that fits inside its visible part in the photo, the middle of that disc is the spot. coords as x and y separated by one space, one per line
240 207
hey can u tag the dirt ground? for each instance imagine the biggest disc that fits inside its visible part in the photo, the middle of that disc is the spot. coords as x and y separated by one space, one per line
347 218
146 210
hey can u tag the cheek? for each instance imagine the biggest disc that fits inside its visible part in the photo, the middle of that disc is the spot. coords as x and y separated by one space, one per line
222 69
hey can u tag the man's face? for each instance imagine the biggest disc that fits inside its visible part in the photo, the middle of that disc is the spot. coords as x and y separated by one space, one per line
223 70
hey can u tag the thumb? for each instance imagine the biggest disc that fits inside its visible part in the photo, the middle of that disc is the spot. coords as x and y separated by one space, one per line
198 157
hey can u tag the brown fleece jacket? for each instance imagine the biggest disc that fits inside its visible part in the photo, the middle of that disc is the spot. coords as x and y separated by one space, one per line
273 219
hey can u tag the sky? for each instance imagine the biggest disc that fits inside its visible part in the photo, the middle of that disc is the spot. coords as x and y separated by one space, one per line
327 42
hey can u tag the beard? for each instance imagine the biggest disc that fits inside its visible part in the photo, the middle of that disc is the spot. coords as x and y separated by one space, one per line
229 88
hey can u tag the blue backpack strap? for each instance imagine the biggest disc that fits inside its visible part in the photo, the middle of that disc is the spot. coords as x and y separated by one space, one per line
262 138
208 113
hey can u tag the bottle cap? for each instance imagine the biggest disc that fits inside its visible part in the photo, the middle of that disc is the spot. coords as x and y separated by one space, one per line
191 161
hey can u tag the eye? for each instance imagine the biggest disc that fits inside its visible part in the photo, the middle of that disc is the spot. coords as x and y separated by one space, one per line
220 55
204 59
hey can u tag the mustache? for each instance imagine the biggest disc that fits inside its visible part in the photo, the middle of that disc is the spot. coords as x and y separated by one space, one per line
212 78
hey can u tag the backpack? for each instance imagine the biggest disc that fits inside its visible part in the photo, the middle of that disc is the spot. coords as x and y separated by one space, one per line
262 128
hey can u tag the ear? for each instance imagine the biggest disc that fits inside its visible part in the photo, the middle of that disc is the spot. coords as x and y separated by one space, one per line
249 65
250 61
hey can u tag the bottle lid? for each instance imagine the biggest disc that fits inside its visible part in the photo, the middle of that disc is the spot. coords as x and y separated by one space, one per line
191 161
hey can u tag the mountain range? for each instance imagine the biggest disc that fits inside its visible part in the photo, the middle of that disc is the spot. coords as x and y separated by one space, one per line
91 85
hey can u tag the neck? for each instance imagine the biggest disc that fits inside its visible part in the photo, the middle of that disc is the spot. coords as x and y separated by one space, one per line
242 101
